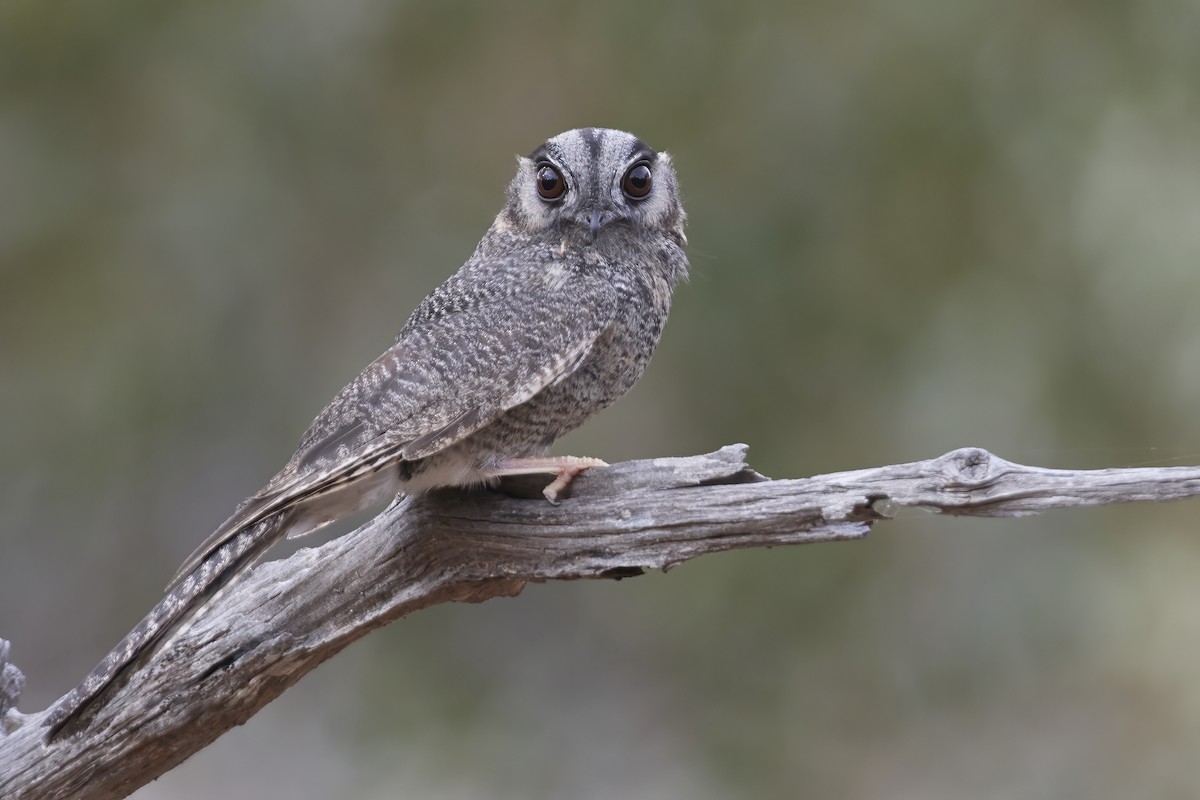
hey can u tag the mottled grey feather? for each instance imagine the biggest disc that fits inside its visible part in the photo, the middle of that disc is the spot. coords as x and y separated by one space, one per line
552 318
433 388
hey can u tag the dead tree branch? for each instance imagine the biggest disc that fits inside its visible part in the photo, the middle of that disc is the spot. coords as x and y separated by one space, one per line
288 616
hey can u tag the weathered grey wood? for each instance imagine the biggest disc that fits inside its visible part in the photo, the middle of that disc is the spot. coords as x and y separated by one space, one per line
11 683
288 616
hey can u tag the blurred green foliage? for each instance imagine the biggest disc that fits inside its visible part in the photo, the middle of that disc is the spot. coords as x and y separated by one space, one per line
914 226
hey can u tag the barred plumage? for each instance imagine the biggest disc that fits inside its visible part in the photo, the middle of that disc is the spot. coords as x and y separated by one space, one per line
552 318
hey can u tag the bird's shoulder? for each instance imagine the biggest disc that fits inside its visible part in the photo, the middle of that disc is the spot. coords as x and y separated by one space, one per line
508 270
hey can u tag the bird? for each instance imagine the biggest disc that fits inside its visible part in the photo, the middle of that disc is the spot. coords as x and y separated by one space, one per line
554 316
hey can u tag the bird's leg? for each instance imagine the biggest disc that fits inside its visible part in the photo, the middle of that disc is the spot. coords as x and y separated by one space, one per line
563 468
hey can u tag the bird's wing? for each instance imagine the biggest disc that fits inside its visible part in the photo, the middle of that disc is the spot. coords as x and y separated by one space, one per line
443 380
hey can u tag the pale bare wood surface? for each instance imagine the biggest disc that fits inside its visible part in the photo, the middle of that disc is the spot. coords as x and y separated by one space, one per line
288 616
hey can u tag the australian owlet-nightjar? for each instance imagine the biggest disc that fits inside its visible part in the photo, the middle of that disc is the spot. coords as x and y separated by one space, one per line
552 318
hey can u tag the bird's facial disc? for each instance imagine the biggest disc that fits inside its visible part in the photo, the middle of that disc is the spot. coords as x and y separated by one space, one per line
591 179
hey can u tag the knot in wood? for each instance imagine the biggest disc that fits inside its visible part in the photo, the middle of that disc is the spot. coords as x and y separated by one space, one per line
967 465
11 683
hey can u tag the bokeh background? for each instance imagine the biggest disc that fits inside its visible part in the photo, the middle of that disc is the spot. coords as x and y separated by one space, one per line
914 226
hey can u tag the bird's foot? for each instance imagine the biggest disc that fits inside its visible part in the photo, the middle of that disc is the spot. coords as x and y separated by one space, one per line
563 468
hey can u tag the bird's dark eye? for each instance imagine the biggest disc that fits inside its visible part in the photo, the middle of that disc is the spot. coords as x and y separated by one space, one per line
550 183
637 181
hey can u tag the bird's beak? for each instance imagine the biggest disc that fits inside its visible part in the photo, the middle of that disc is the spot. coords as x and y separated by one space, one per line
595 222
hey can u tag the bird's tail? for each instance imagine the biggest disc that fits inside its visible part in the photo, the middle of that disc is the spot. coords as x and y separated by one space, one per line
186 599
